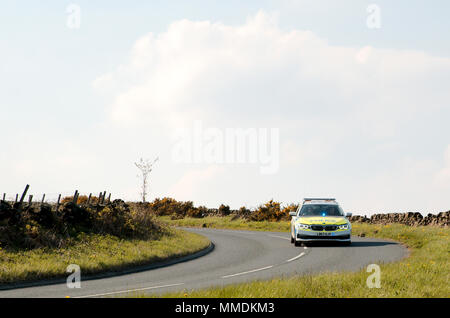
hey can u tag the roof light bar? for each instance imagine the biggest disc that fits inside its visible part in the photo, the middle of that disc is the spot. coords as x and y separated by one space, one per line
319 199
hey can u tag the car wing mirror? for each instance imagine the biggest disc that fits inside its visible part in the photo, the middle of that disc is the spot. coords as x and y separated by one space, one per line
293 213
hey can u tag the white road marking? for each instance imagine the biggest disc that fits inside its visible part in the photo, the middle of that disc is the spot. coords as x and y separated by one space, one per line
248 272
294 258
284 238
281 237
129 290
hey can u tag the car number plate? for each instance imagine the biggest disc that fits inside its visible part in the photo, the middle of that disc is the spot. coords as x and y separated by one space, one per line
323 234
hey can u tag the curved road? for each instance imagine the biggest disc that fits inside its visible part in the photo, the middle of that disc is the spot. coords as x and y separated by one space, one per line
238 256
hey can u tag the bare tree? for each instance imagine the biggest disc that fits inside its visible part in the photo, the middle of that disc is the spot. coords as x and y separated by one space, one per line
145 166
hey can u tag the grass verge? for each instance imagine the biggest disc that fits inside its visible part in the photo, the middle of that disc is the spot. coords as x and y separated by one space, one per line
425 273
227 222
95 253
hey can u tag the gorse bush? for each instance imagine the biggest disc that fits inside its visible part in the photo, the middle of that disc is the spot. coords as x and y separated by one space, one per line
199 212
271 211
169 206
82 199
224 210
286 210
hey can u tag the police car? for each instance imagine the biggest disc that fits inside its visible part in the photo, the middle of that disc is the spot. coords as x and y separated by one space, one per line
320 219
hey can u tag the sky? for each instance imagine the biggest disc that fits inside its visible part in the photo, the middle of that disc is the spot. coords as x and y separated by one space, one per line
347 99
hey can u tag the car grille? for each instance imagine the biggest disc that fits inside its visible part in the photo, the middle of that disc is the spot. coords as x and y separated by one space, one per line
325 227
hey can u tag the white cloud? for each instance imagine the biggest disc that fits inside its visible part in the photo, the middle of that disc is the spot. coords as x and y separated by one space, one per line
342 111
315 149
363 54
193 181
443 175
256 71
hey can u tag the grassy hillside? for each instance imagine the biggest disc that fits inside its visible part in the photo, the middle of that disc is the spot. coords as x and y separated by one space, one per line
39 241
95 253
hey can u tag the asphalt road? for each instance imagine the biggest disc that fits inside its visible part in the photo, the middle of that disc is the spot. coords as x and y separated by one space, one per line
238 256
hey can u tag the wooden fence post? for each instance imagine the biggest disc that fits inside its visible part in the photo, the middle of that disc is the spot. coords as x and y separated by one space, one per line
30 199
43 198
103 197
99 198
109 198
75 197
89 199
17 197
4 196
23 196
57 203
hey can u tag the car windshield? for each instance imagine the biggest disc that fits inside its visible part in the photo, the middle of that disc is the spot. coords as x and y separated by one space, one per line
321 210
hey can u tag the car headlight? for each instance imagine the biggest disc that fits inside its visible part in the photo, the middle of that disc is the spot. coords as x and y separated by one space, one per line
301 226
343 227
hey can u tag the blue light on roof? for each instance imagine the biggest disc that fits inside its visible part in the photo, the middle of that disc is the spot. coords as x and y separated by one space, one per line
324 214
